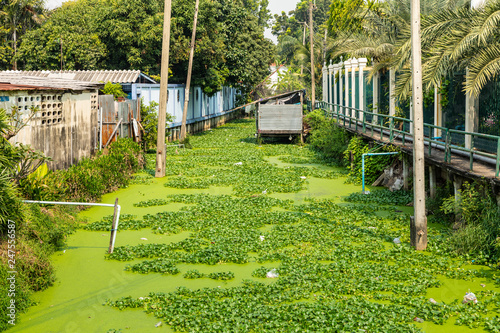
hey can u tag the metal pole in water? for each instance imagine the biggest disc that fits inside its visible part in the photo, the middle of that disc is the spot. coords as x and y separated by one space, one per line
114 226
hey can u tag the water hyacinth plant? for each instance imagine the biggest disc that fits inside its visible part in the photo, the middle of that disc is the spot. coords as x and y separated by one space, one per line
338 268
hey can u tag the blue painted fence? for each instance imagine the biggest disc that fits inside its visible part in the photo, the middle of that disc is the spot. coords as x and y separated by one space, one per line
200 107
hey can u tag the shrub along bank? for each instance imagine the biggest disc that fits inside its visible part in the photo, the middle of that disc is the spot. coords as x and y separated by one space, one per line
29 234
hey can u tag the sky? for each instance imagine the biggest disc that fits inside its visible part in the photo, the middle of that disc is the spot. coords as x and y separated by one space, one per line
275 6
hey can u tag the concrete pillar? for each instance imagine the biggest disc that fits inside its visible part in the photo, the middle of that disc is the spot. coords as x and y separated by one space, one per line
406 173
362 64
325 82
438 113
354 65
392 90
432 181
341 85
347 66
335 84
331 84
471 116
376 83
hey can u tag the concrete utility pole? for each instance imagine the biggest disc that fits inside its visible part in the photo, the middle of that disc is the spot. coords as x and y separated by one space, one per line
190 69
418 229
311 41
304 44
162 112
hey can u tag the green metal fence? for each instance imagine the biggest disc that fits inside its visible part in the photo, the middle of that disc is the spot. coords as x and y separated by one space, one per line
392 127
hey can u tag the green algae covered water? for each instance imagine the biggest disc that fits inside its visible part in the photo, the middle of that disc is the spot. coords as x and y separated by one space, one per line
232 206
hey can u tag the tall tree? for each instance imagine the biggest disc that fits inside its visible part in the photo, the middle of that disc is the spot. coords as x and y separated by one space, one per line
20 16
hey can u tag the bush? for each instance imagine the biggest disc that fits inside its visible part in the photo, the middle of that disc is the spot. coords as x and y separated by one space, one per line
91 178
149 121
479 214
374 165
326 137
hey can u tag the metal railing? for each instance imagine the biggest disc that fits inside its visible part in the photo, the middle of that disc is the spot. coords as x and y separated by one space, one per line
392 127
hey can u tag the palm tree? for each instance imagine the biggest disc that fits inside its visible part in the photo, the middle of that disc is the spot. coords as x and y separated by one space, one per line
456 39
20 16
384 35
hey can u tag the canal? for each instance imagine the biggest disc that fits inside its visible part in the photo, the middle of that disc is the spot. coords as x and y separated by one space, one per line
260 238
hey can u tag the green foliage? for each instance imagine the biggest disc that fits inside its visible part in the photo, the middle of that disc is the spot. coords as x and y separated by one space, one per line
193 274
325 136
382 197
114 89
143 179
156 266
479 215
343 16
374 165
127 221
149 122
288 81
223 276
93 177
126 34
151 202
39 233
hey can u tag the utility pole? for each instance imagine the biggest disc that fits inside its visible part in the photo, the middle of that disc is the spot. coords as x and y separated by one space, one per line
190 69
61 54
418 229
311 41
162 112
304 44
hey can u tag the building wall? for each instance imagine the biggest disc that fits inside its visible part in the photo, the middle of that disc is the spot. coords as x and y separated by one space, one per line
64 128
200 105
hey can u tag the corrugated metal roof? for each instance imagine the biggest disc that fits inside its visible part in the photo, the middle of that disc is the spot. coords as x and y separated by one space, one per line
117 76
12 87
31 79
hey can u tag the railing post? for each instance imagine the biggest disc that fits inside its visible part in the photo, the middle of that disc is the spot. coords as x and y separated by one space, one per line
447 156
364 123
430 140
343 113
471 152
391 129
498 159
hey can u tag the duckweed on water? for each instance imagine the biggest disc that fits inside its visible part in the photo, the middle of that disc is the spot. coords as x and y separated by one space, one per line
152 202
338 267
382 197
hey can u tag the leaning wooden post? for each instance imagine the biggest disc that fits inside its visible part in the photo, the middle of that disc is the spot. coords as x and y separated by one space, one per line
311 42
162 111
190 69
113 228
419 229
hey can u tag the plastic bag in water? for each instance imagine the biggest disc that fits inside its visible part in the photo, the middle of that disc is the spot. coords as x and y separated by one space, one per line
273 273
469 297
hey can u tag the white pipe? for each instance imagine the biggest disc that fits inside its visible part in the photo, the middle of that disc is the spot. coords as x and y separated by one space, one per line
69 203
116 227
85 204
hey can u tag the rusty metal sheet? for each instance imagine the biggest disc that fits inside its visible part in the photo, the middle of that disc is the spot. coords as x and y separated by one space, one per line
107 105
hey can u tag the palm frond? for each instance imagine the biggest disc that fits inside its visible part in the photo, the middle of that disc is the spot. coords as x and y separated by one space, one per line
484 67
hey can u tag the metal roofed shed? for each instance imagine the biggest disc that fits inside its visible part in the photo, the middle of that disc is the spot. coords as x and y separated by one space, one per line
281 116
